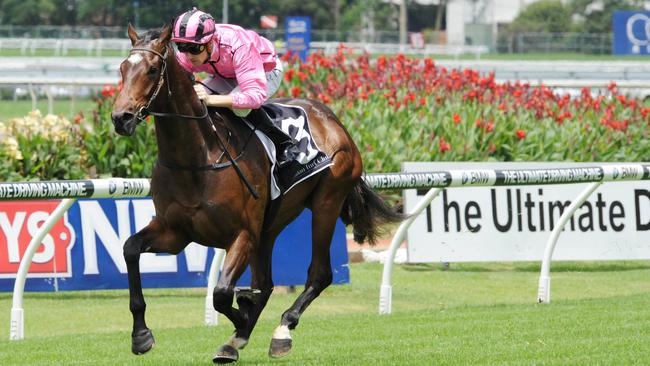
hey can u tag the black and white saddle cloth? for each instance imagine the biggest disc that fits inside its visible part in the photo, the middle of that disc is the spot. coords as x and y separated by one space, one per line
310 161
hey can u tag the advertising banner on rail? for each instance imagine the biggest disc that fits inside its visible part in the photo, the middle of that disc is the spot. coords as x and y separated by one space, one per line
631 33
513 223
83 250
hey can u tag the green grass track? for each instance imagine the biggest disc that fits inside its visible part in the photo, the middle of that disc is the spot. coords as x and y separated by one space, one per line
471 314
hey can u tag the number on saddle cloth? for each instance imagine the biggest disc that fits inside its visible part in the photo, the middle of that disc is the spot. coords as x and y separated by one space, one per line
307 159
290 129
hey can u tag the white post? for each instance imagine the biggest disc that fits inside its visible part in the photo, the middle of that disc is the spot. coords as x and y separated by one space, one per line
50 100
544 289
224 12
32 95
16 326
73 95
386 291
215 267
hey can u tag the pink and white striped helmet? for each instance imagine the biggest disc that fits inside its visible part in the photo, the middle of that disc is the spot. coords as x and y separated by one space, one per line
194 26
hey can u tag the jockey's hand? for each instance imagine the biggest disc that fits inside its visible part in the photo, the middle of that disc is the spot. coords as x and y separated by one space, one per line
212 100
201 92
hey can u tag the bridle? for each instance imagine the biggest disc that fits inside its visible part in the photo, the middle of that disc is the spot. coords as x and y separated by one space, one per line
144 111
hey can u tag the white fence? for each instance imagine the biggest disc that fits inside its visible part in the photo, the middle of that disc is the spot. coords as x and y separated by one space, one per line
392 48
436 181
48 85
96 47
62 46
69 191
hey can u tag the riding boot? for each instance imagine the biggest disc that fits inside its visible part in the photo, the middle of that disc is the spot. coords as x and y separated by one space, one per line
285 149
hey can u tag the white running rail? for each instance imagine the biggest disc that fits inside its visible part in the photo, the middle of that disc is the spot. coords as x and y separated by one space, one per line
69 191
595 175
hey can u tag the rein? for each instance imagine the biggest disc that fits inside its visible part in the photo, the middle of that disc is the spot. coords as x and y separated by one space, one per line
144 111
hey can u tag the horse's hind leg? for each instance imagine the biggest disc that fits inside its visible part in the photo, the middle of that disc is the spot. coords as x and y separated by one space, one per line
252 303
237 258
326 208
153 238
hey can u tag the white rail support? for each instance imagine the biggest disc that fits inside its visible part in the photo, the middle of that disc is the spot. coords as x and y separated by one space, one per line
544 289
17 322
50 100
32 95
386 291
211 318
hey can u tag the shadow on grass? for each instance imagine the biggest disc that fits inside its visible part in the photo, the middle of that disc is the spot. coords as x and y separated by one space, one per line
564 266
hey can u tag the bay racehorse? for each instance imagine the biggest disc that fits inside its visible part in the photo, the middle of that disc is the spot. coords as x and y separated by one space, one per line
201 196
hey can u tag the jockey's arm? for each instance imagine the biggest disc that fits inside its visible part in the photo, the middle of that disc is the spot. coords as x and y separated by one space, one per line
251 79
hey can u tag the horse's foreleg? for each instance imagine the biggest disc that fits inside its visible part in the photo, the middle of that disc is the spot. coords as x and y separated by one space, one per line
235 263
150 239
141 338
319 276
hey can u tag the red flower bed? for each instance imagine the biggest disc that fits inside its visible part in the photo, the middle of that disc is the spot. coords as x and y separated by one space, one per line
410 109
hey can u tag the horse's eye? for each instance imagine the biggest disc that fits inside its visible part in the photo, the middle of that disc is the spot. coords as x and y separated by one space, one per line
153 71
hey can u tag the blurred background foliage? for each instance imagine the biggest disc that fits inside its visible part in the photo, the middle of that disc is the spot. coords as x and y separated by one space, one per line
341 15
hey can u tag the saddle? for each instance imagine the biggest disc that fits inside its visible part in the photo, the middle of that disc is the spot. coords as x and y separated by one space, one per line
287 128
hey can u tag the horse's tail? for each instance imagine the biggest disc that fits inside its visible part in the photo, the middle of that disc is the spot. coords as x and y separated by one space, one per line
367 211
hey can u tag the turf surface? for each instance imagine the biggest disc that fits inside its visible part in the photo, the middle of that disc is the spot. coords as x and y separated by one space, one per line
478 314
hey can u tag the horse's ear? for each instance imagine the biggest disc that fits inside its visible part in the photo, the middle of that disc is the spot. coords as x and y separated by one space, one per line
165 34
132 34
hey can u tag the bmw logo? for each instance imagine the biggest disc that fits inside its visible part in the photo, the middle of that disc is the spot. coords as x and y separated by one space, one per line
112 187
615 174
465 178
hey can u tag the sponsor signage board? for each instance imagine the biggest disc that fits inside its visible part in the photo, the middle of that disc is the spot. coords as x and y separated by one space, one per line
83 251
631 33
297 31
513 223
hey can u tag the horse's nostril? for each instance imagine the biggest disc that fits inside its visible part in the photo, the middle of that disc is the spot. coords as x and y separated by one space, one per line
121 117
117 117
126 116
124 122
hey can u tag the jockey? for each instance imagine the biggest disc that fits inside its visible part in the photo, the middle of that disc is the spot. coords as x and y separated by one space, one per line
244 67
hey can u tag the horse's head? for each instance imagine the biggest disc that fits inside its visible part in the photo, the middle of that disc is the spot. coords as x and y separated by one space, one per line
143 75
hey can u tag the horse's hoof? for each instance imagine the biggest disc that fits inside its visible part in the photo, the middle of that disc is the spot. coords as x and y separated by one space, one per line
226 354
142 342
279 347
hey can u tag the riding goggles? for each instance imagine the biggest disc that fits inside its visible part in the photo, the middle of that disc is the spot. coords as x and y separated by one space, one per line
193 48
